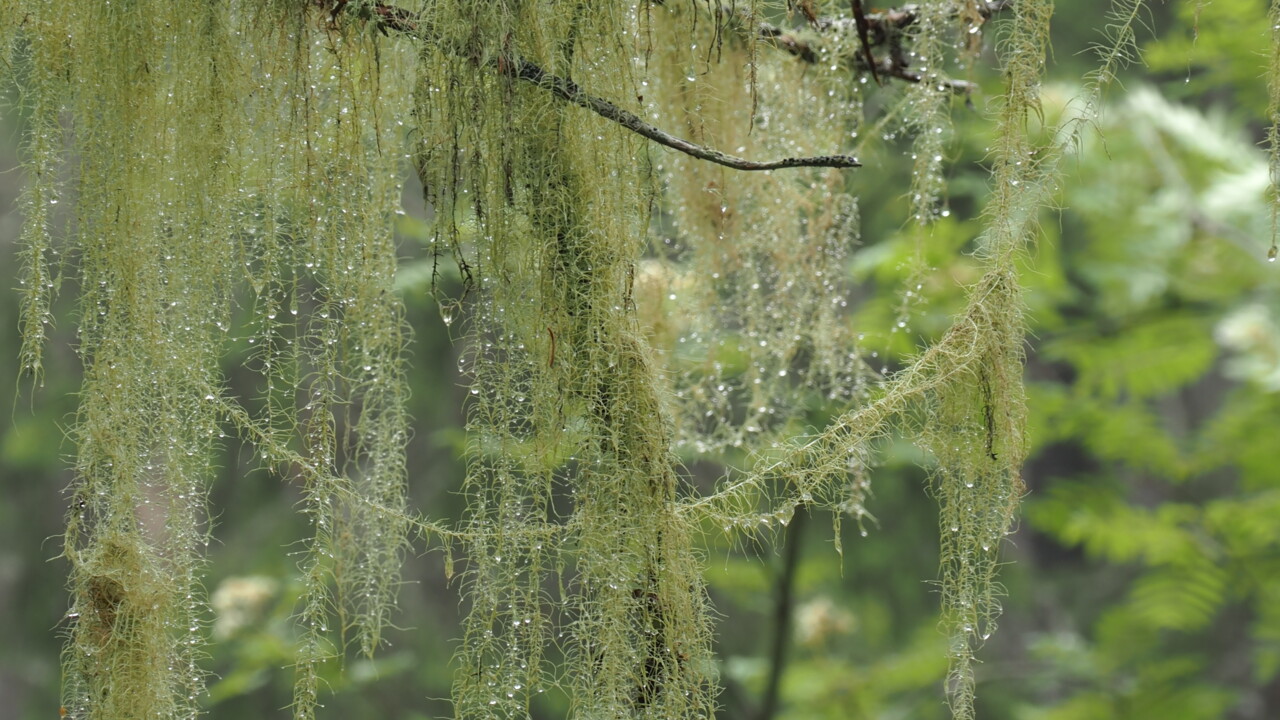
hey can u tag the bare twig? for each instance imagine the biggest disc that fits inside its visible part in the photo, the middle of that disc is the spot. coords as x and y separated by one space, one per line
390 17
873 30
864 36
568 90
880 24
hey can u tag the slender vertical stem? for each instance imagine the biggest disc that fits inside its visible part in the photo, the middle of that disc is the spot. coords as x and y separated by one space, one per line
782 610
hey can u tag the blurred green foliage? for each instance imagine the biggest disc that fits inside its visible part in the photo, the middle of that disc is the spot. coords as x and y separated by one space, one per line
1158 386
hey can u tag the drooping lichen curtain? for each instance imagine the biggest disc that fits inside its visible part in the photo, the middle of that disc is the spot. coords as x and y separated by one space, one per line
627 305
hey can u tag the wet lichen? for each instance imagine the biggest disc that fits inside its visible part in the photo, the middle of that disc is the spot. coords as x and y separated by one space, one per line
1273 131
626 306
222 151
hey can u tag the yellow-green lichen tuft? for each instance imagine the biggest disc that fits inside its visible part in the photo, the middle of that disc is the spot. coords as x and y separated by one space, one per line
194 193
546 207
1273 131
627 307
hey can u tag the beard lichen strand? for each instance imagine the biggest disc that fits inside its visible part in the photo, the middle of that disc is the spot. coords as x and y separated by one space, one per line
37 253
1022 182
473 163
974 425
11 17
328 205
558 209
156 273
929 120
761 257
167 128
982 350
1273 129
635 574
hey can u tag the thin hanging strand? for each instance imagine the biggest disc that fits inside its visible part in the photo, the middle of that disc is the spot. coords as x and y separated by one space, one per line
400 20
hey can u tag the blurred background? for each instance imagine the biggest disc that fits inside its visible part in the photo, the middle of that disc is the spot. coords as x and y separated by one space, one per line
1143 581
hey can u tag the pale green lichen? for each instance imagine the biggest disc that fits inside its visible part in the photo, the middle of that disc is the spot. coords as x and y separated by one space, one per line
746 290
928 120
565 393
192 186
250 153
1273 130
42 66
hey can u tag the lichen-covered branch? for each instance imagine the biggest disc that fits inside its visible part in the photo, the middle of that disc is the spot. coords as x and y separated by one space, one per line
568 90
393 18
209 182
874 30
1273 130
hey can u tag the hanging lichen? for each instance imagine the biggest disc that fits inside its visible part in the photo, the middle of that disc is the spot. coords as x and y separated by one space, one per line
928 120
963 395
330 325
624 305
46 65
1273 131
221 149
154 275
548 211
746 293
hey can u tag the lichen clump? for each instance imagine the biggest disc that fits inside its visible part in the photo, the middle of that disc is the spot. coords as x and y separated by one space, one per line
625 307
226 154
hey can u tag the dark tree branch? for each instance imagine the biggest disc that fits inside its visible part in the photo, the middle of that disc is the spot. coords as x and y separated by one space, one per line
886 22
864 36
789 42
874 30
390 17
806 8
568 90
784 603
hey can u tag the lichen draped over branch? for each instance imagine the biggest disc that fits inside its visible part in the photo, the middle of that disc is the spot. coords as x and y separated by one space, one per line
1273 131
249 154
228 154
513 65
